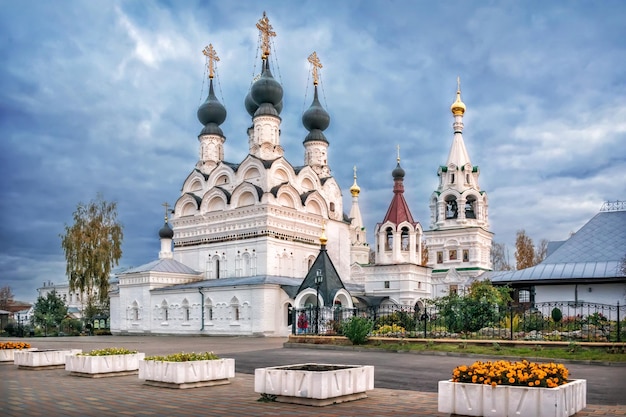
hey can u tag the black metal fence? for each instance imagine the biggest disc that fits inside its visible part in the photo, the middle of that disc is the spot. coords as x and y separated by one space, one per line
466 319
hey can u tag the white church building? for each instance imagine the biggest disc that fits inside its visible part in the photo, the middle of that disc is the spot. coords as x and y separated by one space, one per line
249 241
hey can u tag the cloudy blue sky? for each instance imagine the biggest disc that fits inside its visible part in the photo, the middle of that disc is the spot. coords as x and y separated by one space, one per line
101 97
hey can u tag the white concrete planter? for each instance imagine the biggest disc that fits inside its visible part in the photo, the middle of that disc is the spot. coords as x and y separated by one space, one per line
42 359
189 374
504 401
7 355
314 384
103 366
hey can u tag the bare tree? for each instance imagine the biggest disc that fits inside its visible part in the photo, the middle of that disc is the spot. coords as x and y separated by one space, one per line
541 251
6 297
524 250
500 257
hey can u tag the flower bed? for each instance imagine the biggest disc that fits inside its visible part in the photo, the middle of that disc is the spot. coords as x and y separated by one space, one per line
104 363
314 384
186 370
7 350
504 388
42 359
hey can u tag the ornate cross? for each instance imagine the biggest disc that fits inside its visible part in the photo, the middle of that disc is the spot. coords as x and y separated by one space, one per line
166 206
354 172
212 58
458 84
398 146
315 61
266 32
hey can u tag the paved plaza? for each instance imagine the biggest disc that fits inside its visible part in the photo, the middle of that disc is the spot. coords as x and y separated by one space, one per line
53 393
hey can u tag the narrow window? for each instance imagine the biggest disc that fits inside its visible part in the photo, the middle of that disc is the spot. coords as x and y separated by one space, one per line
405 239
386 284
439 257
465 255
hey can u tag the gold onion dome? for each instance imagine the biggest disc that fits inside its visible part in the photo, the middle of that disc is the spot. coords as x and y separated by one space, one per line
458 107
355 189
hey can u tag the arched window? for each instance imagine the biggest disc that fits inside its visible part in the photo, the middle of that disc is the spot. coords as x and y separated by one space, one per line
165 312
470 203
208 306
246 264
135 311
405 238
289 314
234 308
186 313
389 240
451 208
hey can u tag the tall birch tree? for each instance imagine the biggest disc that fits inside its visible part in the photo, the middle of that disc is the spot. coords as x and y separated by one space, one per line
92 246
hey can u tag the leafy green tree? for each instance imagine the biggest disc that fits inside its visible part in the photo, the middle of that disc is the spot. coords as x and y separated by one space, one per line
49 311
480 307
92 246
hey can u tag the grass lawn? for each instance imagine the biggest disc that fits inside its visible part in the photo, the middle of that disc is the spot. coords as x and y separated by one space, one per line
572 351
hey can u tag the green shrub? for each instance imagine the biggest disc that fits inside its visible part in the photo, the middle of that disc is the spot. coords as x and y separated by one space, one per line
398 318
109 351
556 314
357 329
390 330
184 357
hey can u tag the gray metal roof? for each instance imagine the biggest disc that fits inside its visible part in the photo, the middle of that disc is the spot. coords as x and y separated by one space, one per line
285 282
163 265
594 252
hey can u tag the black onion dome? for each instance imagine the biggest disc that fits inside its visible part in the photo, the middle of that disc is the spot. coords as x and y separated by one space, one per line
266 89
398 172
211 111
315 117
166 232
251 105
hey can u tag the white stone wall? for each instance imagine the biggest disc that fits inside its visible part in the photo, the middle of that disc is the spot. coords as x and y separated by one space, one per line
600 293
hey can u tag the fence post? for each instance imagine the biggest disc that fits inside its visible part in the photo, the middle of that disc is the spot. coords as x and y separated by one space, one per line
511 321
619 331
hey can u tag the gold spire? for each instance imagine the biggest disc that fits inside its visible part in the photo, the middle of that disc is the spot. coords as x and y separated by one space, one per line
315 61
458 107
323 238
212 58
355 189
266 32
166 206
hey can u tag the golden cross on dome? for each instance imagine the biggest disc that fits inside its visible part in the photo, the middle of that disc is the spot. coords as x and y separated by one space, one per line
354 172
166 207
315 61
212 58
266 32
458 84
